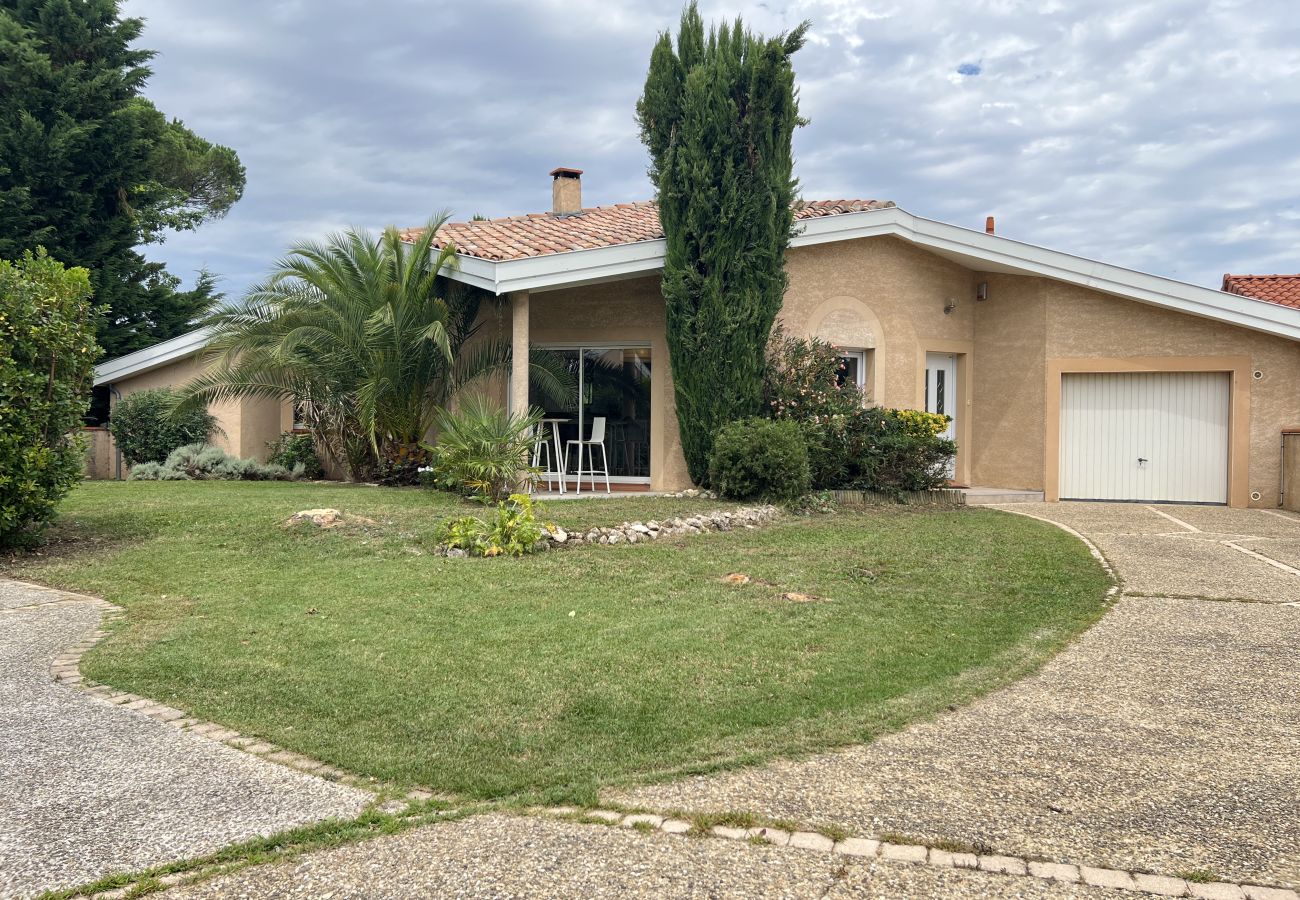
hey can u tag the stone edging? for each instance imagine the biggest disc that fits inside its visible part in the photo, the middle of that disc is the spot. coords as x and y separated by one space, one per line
921 854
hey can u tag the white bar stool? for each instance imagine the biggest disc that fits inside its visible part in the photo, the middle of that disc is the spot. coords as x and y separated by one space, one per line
597 439
544 447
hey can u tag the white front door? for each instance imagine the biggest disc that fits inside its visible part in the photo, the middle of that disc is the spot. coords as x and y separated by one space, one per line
941 392
1145 436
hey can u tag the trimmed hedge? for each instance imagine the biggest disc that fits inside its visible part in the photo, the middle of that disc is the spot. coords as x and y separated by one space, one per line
760 459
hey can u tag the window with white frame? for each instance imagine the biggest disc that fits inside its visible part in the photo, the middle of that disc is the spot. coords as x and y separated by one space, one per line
855 369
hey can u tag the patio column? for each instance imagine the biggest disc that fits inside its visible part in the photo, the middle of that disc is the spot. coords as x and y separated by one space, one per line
519 353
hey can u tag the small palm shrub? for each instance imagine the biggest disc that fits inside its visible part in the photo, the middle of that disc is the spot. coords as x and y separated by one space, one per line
484 451
146 428
292 449
760 459
513 531
199 462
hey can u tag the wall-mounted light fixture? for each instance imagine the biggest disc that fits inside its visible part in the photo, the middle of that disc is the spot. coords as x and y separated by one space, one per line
949 306
982 291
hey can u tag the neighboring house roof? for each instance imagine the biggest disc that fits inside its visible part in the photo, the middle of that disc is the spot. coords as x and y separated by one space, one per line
543 234
189 344
1283 289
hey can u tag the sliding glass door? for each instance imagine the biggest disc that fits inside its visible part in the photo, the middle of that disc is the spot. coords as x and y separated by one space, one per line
613 383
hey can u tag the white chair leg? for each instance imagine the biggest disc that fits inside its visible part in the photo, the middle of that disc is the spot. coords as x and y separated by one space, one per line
604 459
579 467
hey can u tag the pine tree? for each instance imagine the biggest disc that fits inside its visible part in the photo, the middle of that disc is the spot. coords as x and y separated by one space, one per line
91 170
718 114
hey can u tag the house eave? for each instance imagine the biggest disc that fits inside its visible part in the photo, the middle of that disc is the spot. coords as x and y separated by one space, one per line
976 249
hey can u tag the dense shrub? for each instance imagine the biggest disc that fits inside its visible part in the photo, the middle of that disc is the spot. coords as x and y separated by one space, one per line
897 450
47 354
146 429
802 385
198 462
293 449
514 530
760 459
483 450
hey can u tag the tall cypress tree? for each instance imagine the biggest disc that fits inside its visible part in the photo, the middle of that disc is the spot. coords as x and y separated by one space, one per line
718 114
91 170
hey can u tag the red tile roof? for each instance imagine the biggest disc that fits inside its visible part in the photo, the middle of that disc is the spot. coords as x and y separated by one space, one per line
542 234
1283 289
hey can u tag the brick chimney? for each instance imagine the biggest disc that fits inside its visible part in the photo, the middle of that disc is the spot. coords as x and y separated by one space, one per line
989 225
566 191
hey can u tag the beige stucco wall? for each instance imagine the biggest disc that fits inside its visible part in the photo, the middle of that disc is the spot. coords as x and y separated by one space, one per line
245 426
1291 470
1007 436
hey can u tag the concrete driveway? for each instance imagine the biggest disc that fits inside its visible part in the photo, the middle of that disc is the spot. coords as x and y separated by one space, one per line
1166 739
88 789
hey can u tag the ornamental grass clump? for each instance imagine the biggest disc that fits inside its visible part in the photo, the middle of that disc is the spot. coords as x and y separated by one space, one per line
202 462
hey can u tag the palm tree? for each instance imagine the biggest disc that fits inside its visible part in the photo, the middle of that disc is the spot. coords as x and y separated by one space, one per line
366 335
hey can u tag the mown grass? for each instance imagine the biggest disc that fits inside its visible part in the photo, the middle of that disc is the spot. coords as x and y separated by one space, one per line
550 676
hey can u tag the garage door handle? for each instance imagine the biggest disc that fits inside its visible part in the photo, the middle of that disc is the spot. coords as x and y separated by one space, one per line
1141 460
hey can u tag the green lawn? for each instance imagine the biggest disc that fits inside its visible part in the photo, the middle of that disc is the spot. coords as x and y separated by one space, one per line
552 675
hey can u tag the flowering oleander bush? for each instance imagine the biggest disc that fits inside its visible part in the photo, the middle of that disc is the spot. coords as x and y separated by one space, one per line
803 386
878 449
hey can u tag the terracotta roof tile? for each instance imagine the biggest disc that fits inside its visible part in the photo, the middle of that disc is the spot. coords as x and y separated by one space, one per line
542 234
1282 289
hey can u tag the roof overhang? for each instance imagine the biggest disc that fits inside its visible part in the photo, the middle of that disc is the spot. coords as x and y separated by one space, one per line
975 249
122 367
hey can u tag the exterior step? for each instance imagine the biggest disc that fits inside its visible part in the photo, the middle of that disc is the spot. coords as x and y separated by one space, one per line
980 496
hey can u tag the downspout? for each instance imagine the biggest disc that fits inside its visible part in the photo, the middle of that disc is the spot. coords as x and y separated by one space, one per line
117 453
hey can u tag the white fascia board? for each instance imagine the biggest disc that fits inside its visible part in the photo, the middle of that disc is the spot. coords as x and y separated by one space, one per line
179 347
1210 303
561 270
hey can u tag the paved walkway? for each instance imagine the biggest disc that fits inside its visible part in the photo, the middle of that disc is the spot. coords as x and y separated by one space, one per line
1167 738
87 788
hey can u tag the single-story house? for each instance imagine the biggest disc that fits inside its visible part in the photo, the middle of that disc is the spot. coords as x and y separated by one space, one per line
1062 375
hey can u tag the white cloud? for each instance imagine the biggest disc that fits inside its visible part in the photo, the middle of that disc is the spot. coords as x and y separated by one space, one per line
1158 135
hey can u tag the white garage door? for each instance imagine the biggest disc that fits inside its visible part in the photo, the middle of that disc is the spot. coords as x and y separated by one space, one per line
1145 436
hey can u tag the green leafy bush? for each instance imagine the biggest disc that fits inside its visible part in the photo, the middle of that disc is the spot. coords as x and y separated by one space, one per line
760 459
199 462
293 449
897 450
513 531
47 355
484 451
145 428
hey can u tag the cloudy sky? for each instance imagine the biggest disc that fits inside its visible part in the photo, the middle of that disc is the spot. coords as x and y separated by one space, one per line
1163 135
